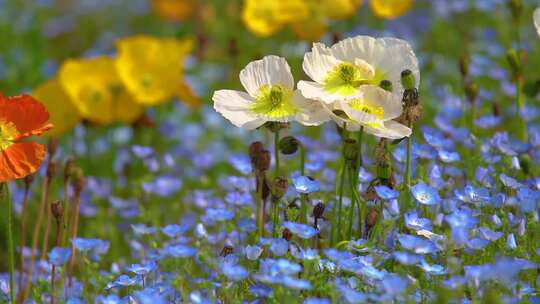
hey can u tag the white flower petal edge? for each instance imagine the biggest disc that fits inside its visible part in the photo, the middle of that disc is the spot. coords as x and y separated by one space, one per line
391 130
314 90
234 106
312 111
319 62
270 70
536 20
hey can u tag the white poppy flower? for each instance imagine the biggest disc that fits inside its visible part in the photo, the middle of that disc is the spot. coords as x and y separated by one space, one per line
341 70
374 109
270 97
536 19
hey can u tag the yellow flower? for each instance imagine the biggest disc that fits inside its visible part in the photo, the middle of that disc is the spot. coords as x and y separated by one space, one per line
340 9
174 10
266 17
390 9
151 68
63 114
97 91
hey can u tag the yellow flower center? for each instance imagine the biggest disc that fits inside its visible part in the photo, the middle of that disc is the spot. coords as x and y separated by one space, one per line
345 78
361 105
274 102
8 133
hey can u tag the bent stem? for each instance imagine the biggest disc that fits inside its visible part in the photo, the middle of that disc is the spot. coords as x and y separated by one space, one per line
4 195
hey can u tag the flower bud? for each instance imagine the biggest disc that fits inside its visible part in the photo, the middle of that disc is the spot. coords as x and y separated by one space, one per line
280 187
464 62
57 210
78 180
288 145
287 234
350 150
68 167
512 57
254 150
407 80
262 162
227 249
386 85
318 210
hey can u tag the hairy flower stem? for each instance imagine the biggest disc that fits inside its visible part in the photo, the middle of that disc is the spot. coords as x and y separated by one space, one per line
22 240
260 204
35 237
74 227
276 151
303 196
66 217
352 185
408 170
275 216
5 199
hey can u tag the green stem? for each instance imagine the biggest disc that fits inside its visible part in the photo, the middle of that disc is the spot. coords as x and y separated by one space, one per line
303 197
360 160
260 205
408 171
276 150
4 194
361 210
353 203
275 217
520 104
340 202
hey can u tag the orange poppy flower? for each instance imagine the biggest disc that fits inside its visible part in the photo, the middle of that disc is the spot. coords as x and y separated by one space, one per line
21 117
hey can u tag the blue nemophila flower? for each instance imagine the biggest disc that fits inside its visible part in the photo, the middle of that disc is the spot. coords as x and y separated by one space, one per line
260 290
317 301
163 186
234 272
58 256
305 184
488 121
364 176
477 243
238 198
95 245
279 247
528 199
448 156
241 162
393 285
73 300
417 244
296 283
470 194
253 252
142 269
336 255
511 241
350 294
301 230
123 281
489 234
179 251
509 181
417 223
433 269
436 138
218 215
386 193
175 230
150 295
111 299
407 258
425 194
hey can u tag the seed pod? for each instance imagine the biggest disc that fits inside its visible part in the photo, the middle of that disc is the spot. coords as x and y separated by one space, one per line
262 162
57 210
386 85
407 80
471 90
78 180
70 163
255 150
287 234
288 145
227 249
318 210
464 62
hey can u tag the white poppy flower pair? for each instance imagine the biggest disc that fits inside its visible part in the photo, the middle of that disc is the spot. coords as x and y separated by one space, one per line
345 88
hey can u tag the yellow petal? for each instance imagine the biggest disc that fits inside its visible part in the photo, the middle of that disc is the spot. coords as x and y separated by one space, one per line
151 67
173 10
341 9
186 94
311 31
259 16
390 9
95 89
63 114
126 109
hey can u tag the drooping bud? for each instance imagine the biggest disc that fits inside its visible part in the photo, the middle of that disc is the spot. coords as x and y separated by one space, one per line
254 150
513 59
280 187
471 90
407 80
318 210
57 210
464 62
288 145
51 170
262 163
227 249
386 85
78 180
287 234
350 150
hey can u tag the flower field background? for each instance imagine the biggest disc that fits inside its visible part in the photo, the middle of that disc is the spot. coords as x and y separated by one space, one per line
269 151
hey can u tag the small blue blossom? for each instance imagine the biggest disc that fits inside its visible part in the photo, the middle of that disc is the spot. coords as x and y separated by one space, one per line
301 230
425 194
58 256
305 184
386 193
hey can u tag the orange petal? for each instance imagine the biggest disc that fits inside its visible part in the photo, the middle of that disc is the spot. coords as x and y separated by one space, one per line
20 160
29 115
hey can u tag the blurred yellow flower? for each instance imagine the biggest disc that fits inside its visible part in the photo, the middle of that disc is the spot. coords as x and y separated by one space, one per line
97 91
266 17
340 9
63 114
174 10
390 9
151 68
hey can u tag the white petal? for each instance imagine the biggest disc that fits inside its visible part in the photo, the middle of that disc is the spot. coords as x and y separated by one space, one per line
391 130
314 90
319 62
399 56
390 102
312 112
270 70
536 18
359 47
234 105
